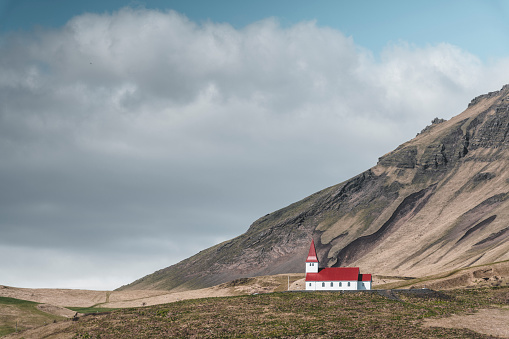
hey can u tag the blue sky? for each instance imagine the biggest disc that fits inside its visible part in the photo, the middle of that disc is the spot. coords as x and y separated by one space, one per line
135 134
479 27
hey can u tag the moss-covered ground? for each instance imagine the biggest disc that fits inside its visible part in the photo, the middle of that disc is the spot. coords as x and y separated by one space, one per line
398 314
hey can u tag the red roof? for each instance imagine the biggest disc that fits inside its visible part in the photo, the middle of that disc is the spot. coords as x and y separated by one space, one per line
336 274
312 253
364 277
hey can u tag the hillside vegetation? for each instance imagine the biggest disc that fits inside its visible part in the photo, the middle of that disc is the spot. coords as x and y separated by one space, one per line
486 286
392 314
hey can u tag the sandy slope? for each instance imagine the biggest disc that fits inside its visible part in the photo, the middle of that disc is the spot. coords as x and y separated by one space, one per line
74 298
58 297
136 299
55 300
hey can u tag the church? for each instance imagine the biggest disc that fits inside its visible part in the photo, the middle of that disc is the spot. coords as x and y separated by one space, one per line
333 278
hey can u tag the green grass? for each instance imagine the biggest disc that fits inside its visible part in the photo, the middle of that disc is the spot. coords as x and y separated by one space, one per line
21 314
17 302
317 314
91 309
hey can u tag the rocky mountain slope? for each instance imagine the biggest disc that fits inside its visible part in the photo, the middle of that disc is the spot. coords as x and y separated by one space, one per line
436 203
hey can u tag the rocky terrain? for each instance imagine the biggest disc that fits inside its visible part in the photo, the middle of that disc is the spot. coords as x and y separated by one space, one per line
438 202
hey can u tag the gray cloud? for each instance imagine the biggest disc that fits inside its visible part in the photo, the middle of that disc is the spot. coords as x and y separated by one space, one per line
133 140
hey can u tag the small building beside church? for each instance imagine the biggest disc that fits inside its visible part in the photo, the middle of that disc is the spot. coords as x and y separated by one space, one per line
333 278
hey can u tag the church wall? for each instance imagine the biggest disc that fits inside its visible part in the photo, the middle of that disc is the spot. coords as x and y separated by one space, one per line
336 285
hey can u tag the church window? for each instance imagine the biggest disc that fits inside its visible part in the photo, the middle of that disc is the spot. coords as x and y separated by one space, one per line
323 284
331 284
348 283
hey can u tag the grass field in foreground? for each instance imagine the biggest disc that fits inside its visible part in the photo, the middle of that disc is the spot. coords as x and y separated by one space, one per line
21 314
319 314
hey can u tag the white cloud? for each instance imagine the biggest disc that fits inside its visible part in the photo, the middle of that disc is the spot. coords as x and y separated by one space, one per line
146 123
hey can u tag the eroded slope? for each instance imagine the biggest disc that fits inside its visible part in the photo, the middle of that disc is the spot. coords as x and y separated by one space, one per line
436 203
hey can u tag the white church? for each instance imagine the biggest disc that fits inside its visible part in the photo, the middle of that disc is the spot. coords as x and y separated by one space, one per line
333 278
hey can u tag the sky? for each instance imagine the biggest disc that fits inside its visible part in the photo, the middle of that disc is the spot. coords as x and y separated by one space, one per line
134 134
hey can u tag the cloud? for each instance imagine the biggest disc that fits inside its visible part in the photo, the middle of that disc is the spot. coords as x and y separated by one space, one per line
124 136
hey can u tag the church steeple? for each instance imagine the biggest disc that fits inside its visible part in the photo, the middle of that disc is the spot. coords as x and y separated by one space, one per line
312 259
312 253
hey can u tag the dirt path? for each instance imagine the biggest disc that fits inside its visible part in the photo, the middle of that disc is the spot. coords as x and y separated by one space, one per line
493 321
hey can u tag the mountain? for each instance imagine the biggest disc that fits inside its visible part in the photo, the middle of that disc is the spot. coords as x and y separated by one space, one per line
436 203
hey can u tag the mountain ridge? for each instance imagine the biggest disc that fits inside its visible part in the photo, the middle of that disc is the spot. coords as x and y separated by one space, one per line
436 202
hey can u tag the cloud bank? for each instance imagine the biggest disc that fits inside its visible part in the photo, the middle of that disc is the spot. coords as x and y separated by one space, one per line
132 140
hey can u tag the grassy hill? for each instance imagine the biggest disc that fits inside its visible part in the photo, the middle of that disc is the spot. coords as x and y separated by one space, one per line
16 314
400 314
259 306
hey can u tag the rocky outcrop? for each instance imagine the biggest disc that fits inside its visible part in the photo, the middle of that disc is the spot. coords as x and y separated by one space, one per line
434 122
481 97
436 203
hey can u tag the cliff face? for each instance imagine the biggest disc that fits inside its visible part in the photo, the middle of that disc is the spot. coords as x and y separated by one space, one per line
437 202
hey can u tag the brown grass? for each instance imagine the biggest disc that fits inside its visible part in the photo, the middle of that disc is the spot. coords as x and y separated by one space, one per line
283 310
304 314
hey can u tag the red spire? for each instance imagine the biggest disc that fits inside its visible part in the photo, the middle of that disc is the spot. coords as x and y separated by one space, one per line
312 253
